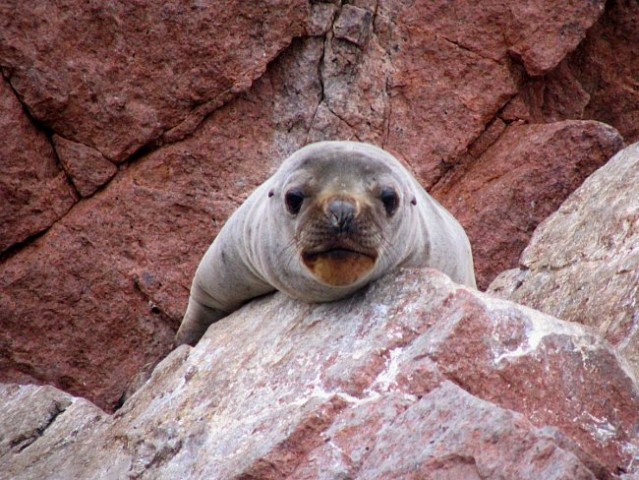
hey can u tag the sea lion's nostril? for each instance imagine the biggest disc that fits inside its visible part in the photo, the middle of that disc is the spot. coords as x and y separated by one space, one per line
341 213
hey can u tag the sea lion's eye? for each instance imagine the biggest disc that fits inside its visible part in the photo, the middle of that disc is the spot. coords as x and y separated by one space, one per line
390 199
294 199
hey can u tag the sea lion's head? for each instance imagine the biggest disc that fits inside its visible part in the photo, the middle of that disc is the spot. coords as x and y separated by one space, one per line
345 201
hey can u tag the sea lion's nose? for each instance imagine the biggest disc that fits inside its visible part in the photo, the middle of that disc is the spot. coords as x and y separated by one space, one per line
341 213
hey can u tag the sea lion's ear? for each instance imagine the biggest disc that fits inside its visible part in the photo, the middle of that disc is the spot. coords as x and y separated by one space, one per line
413 201
270 193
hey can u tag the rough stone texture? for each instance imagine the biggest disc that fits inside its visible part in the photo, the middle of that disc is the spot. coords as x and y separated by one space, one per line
139 240
455 71
353 24
31 413
597 81
582 263
608 70
529 169
117 76
414 378
197 105
544 35
483 442
87 168
34 191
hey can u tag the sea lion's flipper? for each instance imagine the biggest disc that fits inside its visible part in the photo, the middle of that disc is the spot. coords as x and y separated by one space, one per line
196 320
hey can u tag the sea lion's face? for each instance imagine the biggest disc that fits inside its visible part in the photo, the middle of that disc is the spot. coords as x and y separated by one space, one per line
344 209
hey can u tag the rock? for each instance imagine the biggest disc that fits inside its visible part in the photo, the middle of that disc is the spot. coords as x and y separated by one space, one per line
582 264
557 96
520 180
596 81
88 169
606 65
416 377
98 298
33 414
116 77
91 332
545 37
34 191
353 24
430 126
454 72
353 75
483 442
321 18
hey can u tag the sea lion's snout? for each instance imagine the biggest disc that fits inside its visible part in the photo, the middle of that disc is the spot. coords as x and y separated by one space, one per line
338 245
341 213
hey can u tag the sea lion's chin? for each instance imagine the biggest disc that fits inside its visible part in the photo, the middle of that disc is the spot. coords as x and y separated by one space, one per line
339 267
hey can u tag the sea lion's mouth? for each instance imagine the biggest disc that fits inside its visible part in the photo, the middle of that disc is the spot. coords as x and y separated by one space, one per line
339 266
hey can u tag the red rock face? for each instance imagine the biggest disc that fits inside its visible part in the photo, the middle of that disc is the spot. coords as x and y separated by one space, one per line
195 106
86 167
34 192
520 180
608 71
117 76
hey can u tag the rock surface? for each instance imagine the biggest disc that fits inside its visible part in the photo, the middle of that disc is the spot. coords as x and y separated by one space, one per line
414 378
34 191
607 70
582 263
529 169
86 167
117 76
195 105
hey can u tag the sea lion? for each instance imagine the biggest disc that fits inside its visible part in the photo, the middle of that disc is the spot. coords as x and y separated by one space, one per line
333 217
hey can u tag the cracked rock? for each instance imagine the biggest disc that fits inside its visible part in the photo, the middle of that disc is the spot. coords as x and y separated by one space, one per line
34 191
87 167
582 263
119 75
520 180
353 24
321 18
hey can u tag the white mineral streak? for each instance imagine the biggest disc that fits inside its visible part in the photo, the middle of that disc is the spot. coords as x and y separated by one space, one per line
537 327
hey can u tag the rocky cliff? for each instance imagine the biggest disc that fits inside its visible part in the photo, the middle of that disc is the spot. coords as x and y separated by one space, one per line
132 130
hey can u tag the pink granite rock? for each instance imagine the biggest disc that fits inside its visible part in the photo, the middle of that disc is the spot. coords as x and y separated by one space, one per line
34 191
544 37
520 180
595 82
606 65
116 76
415 377
87 168
582 263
